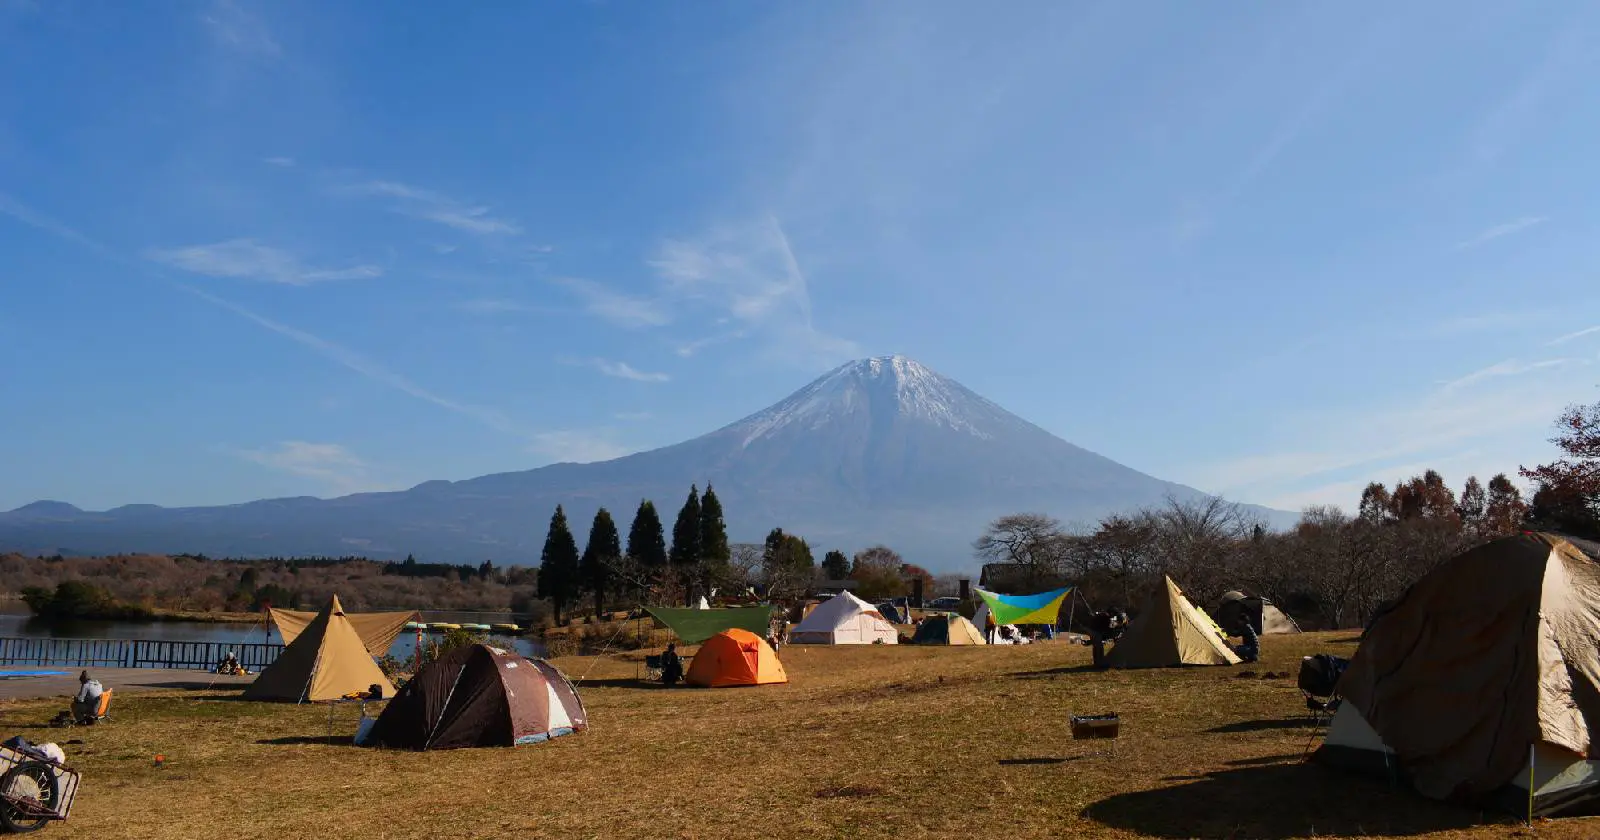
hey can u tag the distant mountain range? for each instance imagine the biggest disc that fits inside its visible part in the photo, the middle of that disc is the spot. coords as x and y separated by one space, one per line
878 450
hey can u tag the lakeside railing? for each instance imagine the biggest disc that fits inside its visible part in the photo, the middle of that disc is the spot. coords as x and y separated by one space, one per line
132 653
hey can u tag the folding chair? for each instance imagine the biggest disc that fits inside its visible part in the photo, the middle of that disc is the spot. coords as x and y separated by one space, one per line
652 668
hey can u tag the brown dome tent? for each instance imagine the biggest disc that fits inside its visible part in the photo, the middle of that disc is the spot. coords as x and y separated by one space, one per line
1264 616
480 696
1489 663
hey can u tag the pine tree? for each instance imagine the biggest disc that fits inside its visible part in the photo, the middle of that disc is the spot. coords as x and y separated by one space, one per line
836 566
685 551
558 564
647 546
714 550
602 550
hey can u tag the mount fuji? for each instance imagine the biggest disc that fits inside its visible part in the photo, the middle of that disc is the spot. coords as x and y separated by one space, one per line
880 450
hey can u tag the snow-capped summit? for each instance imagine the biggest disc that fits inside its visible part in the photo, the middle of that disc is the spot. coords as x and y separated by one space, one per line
882 387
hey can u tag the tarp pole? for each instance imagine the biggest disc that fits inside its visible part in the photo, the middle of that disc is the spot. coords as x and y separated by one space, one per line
1072 610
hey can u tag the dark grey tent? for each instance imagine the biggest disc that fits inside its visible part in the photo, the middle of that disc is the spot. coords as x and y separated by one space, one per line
480 696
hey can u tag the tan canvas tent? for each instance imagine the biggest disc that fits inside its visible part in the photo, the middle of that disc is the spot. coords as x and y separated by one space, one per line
1170 631
1489 661
327 658
377 630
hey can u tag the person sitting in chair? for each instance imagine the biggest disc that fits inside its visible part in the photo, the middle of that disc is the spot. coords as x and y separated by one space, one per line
1250 651
229 666
87 702
671 665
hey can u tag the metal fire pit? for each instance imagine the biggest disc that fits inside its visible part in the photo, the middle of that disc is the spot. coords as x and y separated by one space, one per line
1107 727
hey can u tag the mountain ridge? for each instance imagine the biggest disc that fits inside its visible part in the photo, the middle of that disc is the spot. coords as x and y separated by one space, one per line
876 450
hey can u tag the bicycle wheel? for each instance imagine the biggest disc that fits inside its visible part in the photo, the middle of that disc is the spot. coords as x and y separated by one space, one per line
27 791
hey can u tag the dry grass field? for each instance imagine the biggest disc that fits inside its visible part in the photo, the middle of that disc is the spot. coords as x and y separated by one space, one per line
880 741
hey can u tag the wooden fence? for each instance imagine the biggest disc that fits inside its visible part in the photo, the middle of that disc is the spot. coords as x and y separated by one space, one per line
132 653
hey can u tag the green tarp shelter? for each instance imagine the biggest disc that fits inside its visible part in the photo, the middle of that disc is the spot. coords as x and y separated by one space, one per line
694 626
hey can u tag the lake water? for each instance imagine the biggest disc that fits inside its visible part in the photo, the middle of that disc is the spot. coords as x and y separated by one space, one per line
23 625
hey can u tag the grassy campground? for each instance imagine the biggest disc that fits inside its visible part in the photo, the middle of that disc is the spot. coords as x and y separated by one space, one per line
903 742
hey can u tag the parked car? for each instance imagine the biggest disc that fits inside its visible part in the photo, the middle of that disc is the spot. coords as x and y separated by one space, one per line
948 602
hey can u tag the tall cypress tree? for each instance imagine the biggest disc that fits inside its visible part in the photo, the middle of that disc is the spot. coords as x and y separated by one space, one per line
685 552
558 564
603 549
835 565
714 550
647 546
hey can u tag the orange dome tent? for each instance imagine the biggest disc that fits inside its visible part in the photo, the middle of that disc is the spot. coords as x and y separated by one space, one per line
735 657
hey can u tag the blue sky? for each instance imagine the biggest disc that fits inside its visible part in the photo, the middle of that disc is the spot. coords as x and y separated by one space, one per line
1270 250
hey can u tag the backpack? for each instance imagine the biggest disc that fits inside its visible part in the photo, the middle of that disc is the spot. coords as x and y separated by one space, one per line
1319 674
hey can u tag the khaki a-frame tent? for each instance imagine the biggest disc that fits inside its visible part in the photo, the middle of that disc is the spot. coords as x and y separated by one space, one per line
1489 663
844 619
328 657
1170 631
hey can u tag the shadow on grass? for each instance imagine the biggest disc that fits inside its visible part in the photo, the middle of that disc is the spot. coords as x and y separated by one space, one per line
1279 801
1041 760
194 685
312 740
1051 672
626 682
1266 759
1262 725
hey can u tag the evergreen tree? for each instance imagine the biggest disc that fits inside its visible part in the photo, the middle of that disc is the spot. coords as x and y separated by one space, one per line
558 564
603 549
647 546
685 551
714 550
836 566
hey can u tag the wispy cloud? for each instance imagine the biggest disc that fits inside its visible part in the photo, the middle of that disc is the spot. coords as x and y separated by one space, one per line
1511 116
621 309
1502 418
1488 322
576 446
330 463
633 416
1491 234
21 212
362 365
750 275
442 249
285 162
495 306
236 28
1572 336
689 348
435 207
1509 367
620 370
248 259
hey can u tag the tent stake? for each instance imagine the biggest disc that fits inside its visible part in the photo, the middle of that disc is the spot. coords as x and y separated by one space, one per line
1531 754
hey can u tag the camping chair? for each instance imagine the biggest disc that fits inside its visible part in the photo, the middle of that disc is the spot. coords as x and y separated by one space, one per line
1319 684
652 668
102 710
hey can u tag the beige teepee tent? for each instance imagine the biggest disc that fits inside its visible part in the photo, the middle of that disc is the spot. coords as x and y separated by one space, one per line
329 655
1171 631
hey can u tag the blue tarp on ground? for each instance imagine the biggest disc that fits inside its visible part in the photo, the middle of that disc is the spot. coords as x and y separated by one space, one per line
10 673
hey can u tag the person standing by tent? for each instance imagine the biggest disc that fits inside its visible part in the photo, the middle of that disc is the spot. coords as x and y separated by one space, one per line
989 627
1100 627
671 665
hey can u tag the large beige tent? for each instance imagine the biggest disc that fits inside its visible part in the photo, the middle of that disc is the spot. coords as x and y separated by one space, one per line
1171 631
844 619
329 655
1489 661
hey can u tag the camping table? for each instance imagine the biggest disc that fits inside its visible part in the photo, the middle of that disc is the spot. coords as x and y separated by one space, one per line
344 701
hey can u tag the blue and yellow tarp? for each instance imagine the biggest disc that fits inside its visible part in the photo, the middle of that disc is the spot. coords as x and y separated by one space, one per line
1042 608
